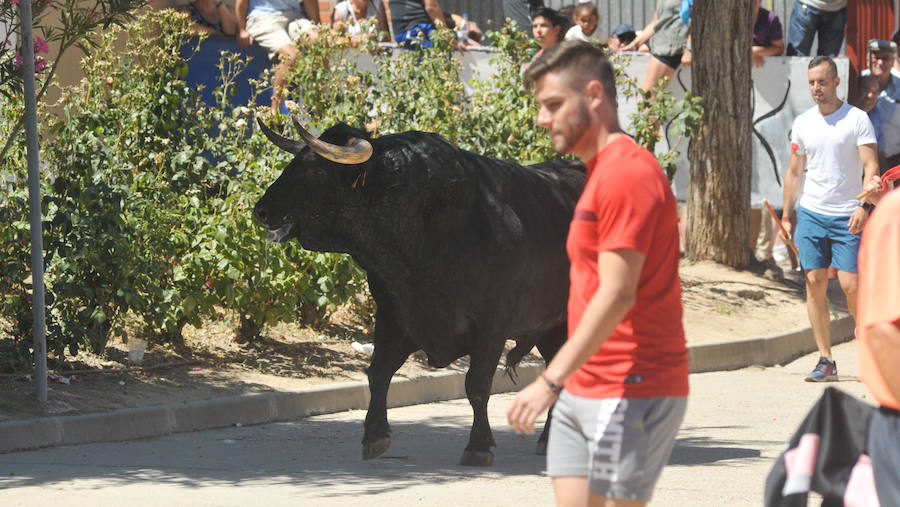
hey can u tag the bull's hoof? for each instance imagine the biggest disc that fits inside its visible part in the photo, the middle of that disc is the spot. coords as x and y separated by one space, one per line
541 448
372 450
477 459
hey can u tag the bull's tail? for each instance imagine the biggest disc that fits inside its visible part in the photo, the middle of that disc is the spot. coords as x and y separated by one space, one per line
513 358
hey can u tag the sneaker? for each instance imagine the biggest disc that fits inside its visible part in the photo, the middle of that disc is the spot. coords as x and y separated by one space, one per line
825 371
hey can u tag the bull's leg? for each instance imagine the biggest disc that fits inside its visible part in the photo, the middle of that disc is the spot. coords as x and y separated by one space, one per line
479 378
391 351
548 346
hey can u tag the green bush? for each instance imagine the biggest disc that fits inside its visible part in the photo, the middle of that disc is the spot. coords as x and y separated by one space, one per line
148 193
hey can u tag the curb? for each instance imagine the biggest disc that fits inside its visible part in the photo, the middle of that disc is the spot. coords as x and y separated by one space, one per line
129 424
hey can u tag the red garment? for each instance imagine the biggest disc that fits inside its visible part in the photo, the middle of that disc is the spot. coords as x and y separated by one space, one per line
879 288
628 204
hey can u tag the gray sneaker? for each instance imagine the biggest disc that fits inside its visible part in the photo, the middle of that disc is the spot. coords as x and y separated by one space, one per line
825 371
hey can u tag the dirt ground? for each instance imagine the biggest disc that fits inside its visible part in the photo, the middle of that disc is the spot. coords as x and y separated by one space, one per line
720 304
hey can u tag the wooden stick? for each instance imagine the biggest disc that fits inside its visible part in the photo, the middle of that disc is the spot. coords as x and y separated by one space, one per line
784 232
863 195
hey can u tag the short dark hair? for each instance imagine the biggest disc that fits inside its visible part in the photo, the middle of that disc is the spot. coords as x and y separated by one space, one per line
819 60
863 79
549 14
589 8
585 62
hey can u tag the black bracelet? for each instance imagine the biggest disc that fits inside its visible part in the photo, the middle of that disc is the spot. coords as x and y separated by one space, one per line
868 206
554 388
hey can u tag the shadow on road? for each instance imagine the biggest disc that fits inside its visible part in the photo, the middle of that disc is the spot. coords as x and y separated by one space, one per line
318 452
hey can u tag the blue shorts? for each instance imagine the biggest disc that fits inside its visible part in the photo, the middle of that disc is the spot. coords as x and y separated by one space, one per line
825 240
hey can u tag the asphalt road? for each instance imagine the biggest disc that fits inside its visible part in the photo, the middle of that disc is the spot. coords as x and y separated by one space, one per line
737 423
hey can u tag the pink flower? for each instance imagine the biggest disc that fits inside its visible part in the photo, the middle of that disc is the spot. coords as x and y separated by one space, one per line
40 46
14 2
93 15
8 42
17 61
39 64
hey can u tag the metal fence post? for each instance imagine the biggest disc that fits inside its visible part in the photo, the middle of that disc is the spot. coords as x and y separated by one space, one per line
34 202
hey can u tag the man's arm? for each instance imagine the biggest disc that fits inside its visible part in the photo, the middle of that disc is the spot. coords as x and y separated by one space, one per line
384 24
312 10
792 183
620 271
240 10
435 12
884 340
645 35
868 153
758 53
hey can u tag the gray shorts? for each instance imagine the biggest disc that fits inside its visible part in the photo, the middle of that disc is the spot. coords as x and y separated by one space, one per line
619 444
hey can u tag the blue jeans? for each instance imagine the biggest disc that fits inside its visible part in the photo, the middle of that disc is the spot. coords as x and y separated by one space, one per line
808 21
417 36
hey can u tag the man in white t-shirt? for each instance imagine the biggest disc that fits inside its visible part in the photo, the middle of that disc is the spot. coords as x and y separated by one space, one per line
835 143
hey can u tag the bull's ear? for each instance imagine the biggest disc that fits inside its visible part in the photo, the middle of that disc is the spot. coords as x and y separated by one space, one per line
356 151
288 145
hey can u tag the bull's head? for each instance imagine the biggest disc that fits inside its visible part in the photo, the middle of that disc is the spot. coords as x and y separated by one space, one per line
310 196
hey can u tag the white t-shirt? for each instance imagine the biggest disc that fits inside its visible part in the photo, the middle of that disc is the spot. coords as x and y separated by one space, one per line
575 33
834 170
354 26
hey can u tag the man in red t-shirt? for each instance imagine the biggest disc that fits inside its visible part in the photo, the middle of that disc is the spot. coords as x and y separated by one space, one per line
621 379
879 340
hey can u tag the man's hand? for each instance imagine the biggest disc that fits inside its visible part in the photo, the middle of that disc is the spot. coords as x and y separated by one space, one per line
461 46
857 220
530 403
244 39
687 58
758 59
785 230
872 189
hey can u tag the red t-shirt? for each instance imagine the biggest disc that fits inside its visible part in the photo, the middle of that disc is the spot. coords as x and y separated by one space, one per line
628 204
879 288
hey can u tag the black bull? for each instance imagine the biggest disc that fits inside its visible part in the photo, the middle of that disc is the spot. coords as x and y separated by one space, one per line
461 252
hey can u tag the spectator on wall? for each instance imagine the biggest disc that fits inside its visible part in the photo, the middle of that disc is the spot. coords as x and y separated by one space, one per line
211 17
585 28
827 18
413 19
546 27
882 54
621 36
867 99
275 25
767 35
350 15
667 36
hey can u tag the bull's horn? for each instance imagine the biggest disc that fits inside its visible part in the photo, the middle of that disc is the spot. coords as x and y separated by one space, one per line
288 145
357 150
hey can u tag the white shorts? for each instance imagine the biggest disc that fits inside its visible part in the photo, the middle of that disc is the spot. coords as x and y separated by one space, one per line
620 444
276 30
